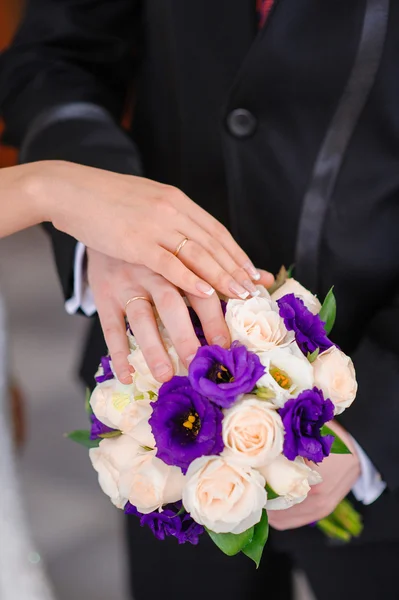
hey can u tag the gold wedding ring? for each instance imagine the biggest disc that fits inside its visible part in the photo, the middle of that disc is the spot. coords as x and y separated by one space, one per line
180 246
136 298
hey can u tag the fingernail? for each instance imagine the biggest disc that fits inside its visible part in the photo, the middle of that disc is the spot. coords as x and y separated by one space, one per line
126 376
189 359
162 369
238 290
204 288
247 283
219 340
252 272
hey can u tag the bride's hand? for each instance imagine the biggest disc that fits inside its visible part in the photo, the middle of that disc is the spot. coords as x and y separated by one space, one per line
114 282
144 222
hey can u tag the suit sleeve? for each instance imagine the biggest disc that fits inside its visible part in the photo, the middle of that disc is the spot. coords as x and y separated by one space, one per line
373 419
63 87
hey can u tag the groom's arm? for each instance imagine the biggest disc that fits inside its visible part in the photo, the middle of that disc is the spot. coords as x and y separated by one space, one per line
63 85
373 419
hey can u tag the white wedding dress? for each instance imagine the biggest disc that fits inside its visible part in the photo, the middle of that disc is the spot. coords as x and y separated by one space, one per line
20 578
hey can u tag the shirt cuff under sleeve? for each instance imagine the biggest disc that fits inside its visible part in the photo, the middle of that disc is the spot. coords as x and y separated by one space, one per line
369 487
82 297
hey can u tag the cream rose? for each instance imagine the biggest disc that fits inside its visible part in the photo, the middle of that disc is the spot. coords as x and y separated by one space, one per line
335 375
148 483
108 401
291 286
288 373
253 432
114 405
222 495
257 324
109 460
291 480
134 422
144 382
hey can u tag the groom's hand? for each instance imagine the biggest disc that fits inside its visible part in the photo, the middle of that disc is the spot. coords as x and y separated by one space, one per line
339 472
114 282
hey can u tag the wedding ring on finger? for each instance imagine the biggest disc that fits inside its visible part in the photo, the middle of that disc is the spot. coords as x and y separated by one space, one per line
180 246
134 300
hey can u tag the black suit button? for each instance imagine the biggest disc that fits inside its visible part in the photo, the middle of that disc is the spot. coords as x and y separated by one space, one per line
241 123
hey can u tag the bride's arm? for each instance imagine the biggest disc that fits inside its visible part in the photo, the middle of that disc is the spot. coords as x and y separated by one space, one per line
130 218
19 208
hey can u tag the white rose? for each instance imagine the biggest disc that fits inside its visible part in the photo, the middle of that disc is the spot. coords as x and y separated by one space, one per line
291 480
134 422
253 432
109 459
288 372
144 382
108 401
335 375
148 483
222 495
262 292
257 324
291 286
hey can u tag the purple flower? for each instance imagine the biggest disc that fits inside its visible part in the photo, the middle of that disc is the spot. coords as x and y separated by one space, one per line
107 371
222 375
309 328
98 428
303 418
169 523
185 424
199 332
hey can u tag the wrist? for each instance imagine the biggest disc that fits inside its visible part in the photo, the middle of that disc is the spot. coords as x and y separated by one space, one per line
36 183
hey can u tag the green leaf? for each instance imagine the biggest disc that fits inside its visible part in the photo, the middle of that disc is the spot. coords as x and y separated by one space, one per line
88 407
311 356
290 270
182 511
338 447
82 437
328 311
110 434
271 494
255 547
231 544
147 448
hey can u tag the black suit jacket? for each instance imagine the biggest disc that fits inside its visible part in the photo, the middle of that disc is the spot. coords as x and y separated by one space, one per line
290 136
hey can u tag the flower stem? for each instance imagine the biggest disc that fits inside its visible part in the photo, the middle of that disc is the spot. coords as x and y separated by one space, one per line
331 530
343 523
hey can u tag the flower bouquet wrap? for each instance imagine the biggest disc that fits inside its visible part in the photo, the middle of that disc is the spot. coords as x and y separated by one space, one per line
214 449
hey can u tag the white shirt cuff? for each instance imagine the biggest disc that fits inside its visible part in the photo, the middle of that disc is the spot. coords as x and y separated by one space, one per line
369 487
82 295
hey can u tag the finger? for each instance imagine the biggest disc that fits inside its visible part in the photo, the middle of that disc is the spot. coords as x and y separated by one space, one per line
113 325
145 329
172 269
215 250
193 256
176 319
210 314
266 278
218 232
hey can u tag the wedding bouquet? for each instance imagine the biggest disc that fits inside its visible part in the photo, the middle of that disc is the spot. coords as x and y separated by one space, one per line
217 446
